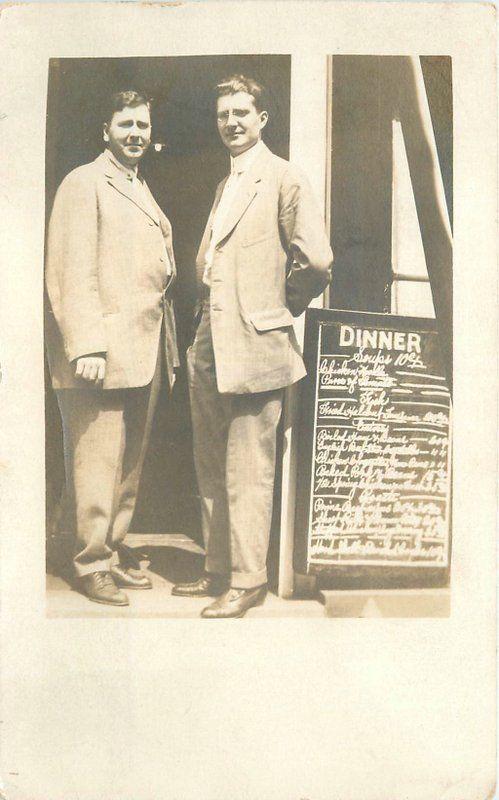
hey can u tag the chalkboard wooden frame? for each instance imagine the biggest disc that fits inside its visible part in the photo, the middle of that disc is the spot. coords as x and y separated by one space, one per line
336 575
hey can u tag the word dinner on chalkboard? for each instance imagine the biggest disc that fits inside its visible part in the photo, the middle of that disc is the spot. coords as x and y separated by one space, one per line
374 478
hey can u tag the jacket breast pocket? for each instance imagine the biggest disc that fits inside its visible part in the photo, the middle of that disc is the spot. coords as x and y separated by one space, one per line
271 319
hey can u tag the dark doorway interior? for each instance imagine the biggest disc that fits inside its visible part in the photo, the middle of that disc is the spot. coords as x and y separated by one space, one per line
182 176
368 93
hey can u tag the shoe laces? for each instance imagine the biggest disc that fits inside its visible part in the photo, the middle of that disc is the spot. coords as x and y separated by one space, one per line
104 580
234 594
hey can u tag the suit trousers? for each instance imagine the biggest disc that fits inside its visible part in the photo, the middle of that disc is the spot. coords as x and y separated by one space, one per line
235 456
106 433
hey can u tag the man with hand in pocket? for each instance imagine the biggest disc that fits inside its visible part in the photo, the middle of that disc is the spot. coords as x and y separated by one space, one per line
263 257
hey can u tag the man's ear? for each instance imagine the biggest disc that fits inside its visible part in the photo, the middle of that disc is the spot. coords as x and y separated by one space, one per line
105 134
264 116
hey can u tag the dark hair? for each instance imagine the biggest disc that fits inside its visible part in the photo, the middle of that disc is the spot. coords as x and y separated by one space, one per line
240 83
128 98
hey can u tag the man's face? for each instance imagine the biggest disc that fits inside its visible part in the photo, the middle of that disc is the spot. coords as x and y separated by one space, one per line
239 122
129 133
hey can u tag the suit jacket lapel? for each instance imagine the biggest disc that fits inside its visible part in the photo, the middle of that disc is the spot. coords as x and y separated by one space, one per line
247 190
205 241
244 196
216 201
165 226
118 180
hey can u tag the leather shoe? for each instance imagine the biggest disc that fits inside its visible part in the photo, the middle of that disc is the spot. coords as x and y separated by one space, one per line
235 603
100 588
206 586
130 577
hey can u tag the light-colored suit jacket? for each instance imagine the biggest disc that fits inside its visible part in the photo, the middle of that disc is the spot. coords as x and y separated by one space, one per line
271 258
107 278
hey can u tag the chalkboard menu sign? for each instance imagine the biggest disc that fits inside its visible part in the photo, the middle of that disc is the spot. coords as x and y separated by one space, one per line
374 461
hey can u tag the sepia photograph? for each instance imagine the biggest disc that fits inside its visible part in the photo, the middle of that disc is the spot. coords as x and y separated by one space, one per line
248 349
183 247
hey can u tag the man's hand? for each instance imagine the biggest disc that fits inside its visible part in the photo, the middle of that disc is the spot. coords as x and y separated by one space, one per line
91 368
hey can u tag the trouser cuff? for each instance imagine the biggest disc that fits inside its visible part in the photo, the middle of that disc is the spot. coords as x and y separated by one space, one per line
248 580
93 566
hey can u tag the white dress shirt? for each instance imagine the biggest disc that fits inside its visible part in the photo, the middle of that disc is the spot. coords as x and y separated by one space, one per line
238 166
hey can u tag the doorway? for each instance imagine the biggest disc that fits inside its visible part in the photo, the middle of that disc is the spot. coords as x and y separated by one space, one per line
182 170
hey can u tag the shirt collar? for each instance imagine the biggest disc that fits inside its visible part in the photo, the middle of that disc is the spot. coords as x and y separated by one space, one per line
130 172
242 162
